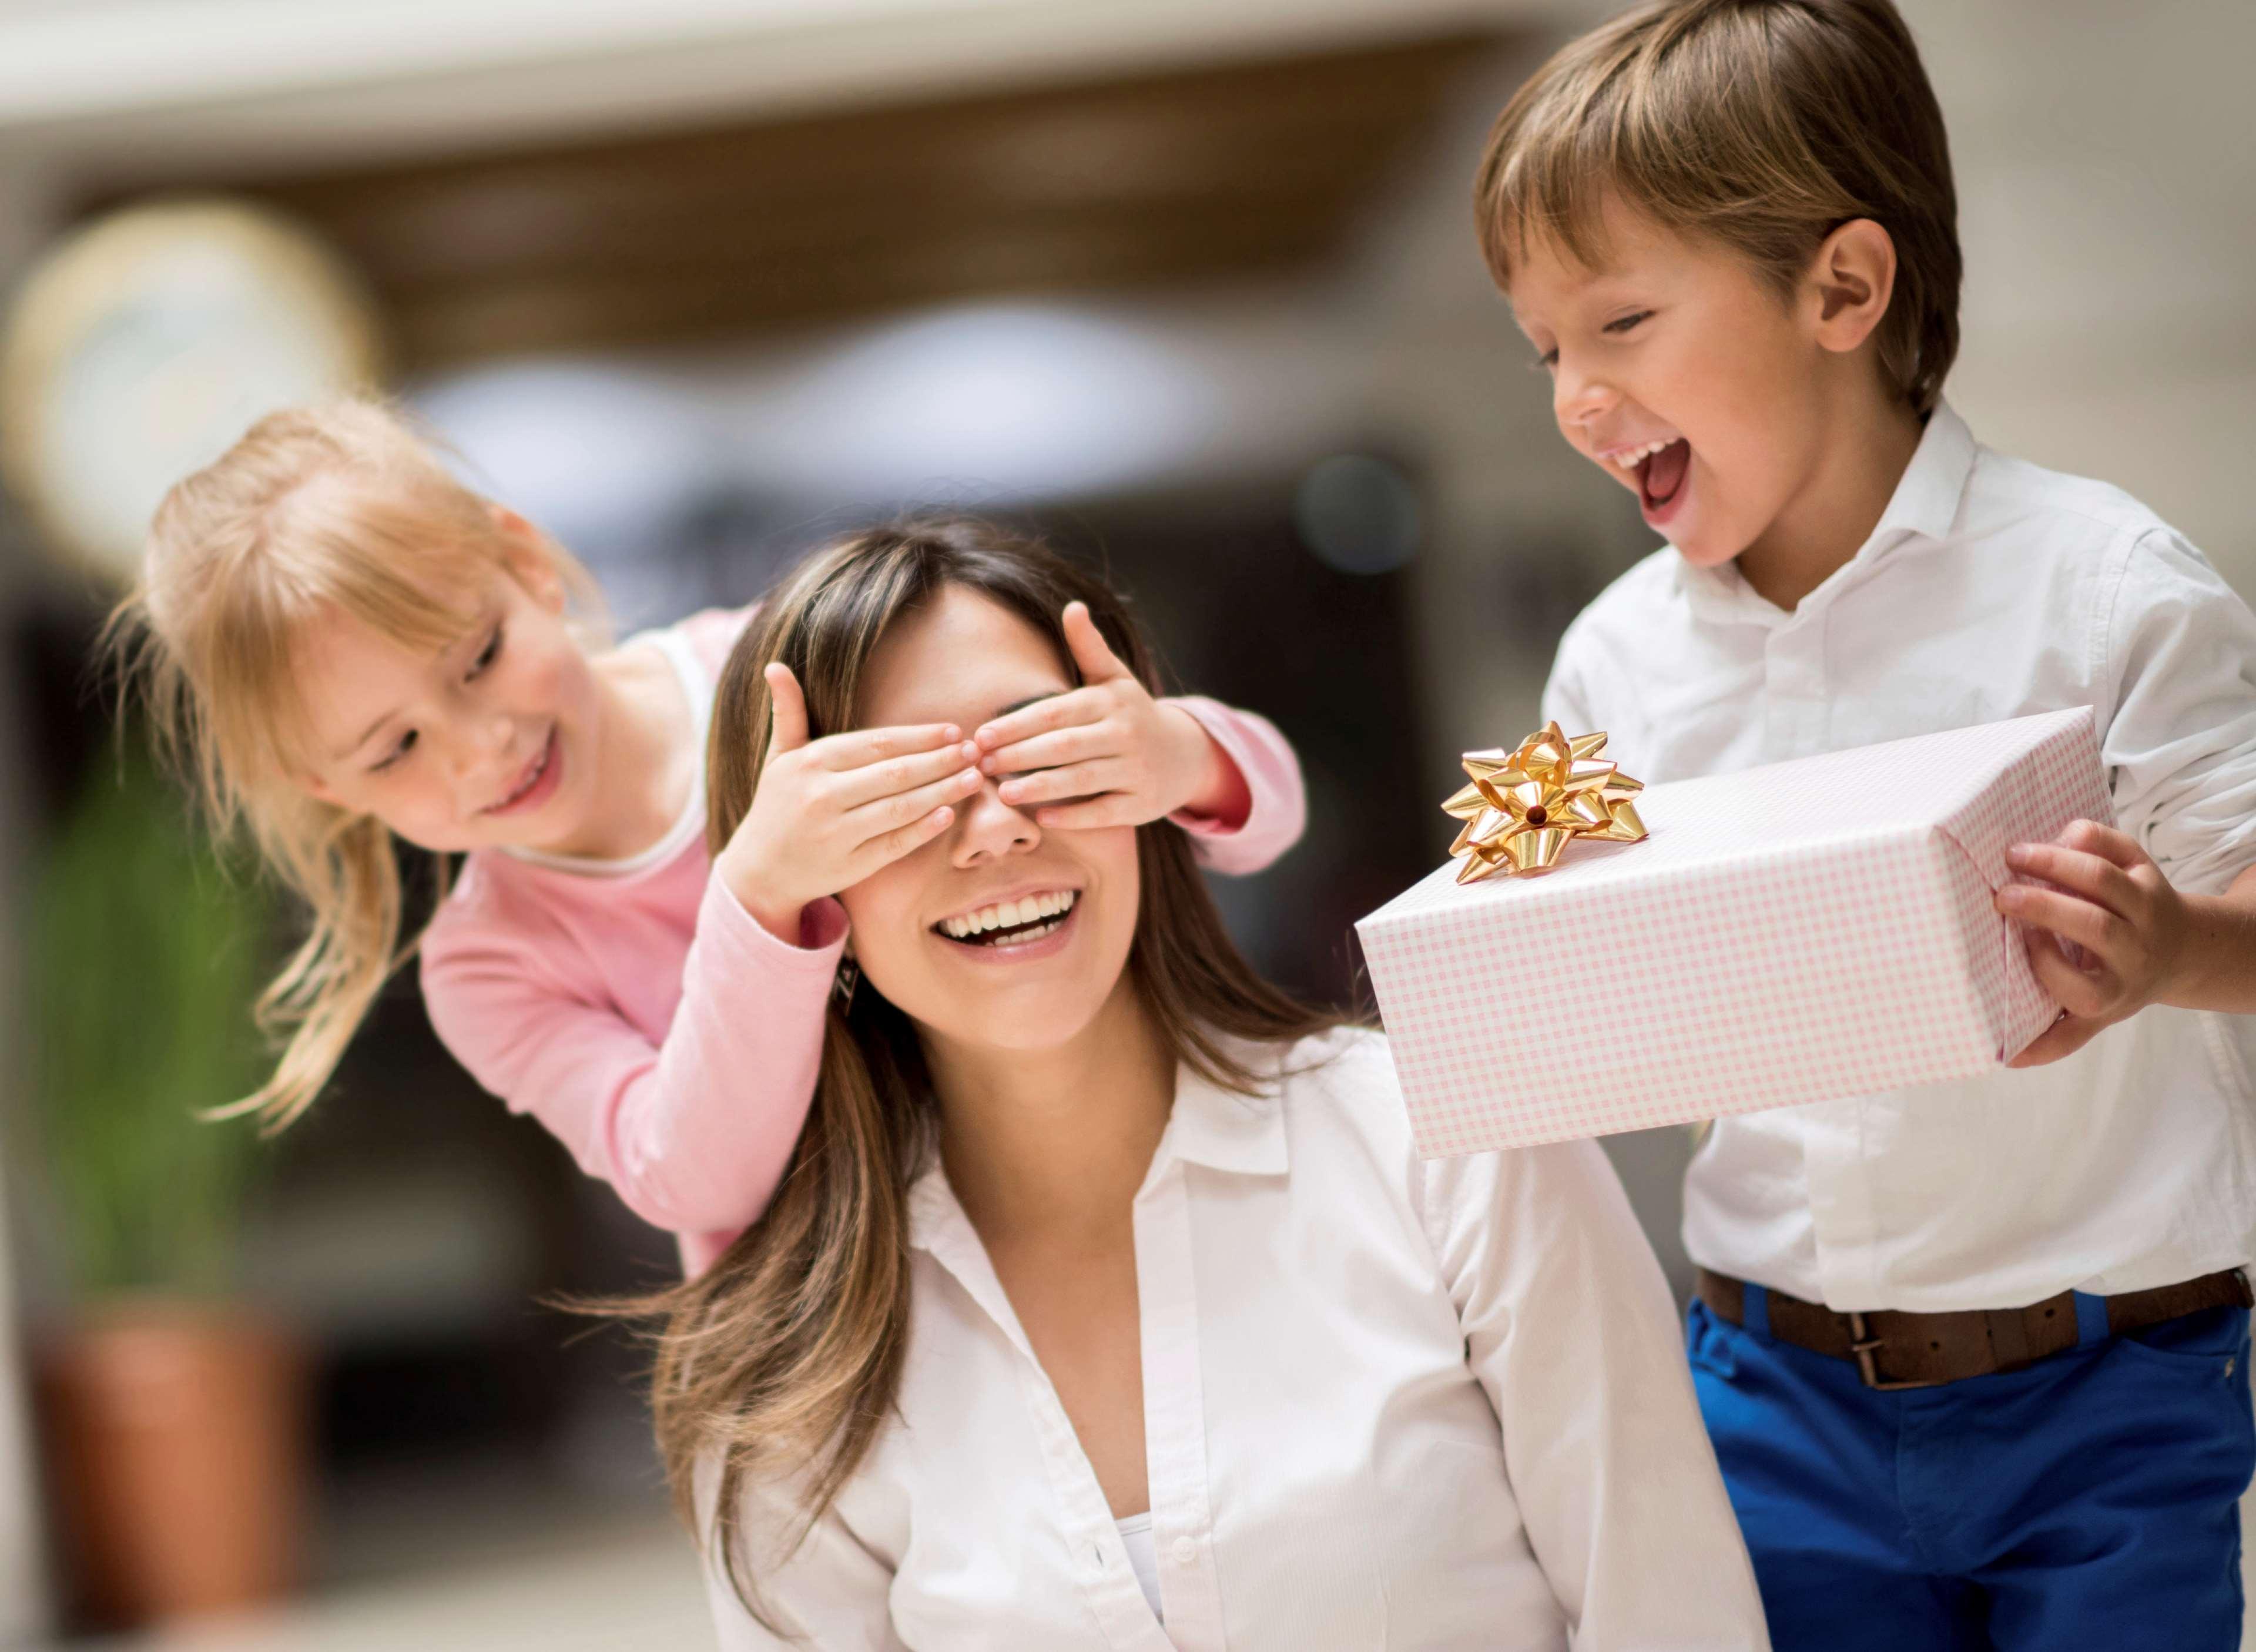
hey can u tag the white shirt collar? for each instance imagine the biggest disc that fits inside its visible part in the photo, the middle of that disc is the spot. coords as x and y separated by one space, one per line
1925 505
1927 498
1223 1130
1209 1126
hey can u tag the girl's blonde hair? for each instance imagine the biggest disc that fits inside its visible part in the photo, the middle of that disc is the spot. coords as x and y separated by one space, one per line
340 507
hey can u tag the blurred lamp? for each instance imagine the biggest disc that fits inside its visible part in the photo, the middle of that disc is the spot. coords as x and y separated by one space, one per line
613 462
997 402
1359 514
143 345
603 457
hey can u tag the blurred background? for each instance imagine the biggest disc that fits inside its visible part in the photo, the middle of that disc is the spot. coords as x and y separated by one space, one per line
693 283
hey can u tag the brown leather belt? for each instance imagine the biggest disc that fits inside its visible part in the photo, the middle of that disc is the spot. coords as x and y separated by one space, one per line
1895 1350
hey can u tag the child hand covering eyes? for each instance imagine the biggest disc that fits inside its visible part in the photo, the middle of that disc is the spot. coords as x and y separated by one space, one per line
830 812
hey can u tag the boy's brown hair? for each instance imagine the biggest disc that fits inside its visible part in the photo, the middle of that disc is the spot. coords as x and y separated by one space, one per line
1762 124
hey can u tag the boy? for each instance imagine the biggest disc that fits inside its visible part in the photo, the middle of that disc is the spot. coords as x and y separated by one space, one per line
1974 1358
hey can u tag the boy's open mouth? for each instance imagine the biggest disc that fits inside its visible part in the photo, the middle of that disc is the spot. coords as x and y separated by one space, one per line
1660 475
1011 922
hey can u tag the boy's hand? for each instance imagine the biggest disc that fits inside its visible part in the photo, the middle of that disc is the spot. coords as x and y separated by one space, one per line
828 813
2108 936
1122 757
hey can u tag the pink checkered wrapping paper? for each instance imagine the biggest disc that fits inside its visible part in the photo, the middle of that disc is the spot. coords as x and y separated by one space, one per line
1796 933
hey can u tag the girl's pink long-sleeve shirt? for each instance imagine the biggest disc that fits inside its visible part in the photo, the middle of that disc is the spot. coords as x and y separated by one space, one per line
637 1010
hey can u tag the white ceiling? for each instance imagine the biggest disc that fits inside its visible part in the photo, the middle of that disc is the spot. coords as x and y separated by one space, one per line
255 83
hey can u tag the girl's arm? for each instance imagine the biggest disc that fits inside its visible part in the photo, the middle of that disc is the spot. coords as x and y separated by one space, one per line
694 1132
1277 803
1569 1329
1108 754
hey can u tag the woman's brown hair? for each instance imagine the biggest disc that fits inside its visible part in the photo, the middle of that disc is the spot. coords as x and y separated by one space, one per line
1762 124
783 1360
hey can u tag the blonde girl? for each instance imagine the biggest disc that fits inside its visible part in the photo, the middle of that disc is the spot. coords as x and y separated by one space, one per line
343 645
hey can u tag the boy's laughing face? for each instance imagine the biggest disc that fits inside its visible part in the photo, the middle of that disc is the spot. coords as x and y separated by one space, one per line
1685 376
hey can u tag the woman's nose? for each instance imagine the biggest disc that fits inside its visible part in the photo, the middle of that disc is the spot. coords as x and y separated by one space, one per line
987 828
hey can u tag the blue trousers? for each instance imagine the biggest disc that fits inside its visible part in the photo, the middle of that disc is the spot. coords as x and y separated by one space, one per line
2090 1499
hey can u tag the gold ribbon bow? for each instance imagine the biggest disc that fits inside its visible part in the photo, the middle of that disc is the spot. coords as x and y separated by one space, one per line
1524 806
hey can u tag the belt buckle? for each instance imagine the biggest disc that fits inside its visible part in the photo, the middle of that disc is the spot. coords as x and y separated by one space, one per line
1863 1345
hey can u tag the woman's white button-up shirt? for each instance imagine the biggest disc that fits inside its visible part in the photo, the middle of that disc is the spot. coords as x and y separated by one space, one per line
1387 1404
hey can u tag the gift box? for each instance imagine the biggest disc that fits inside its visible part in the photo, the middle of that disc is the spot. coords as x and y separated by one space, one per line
1797 933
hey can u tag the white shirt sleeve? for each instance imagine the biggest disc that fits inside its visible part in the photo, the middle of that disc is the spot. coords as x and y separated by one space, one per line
830 1591
1570 1328
1564 702
2180 749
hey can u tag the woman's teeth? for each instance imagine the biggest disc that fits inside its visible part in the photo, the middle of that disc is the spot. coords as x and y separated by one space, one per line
1036 915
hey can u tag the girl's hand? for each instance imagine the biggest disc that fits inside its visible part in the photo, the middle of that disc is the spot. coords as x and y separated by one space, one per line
1121 757
828 813
2107 938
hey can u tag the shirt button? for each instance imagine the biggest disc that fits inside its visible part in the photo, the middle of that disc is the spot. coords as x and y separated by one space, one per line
1186 1550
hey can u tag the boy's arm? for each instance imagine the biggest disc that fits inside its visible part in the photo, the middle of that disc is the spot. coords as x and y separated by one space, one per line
2137 940
2217 968
2160 909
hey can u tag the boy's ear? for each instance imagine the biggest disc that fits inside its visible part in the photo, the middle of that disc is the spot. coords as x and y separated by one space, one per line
526 554
1851 279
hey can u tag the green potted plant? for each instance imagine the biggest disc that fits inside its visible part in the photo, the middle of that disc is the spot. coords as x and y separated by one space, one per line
172 1413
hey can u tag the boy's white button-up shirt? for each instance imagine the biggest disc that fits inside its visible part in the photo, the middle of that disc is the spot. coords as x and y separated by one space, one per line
1991 589
1386 1404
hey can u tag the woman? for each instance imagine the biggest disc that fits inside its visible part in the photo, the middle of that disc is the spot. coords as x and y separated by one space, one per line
1105 1288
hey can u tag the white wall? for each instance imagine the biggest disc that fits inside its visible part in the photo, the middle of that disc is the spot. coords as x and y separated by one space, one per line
2107 203
277 83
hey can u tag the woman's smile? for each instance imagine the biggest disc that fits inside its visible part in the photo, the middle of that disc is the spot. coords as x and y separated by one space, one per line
1021 944
1016 929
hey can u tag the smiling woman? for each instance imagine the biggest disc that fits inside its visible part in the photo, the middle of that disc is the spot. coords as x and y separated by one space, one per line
1104 1286
970 623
